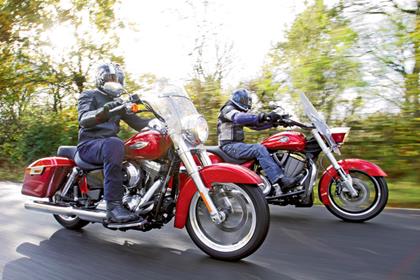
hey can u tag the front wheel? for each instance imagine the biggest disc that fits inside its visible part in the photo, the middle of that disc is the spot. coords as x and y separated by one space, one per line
370 201
242 231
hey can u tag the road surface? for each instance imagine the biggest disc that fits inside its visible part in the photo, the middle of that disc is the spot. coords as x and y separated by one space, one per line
301 244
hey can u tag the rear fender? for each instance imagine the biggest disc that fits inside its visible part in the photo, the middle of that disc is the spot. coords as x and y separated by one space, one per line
216 173
348 164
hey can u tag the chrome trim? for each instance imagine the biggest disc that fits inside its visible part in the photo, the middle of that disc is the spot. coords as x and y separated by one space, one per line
265 186
88 215
150 192
36 170
204 158
70 180
139 145
312 178
133 173
345 177
129 225
192 168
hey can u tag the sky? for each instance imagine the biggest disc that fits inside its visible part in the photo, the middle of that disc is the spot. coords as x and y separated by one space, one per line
167 29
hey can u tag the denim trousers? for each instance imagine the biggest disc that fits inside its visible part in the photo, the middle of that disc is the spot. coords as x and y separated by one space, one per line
110 153
241 150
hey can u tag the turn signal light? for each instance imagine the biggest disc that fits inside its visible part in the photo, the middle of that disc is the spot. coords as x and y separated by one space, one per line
135 108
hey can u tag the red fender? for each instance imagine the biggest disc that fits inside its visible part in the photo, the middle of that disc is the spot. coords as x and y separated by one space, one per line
348 164
219 172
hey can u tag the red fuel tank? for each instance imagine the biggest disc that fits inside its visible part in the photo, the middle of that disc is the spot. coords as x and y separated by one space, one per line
149 144
286 140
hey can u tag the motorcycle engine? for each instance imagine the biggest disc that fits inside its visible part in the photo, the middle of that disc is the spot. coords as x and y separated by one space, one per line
131 175
137 179
293 164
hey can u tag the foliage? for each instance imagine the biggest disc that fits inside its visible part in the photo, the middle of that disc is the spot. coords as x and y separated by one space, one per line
325 53
316 53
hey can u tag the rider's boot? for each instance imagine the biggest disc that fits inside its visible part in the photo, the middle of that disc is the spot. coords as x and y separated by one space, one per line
117 213
287 183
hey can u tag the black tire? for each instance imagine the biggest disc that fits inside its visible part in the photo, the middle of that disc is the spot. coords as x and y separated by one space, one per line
259 232
378 204
72 223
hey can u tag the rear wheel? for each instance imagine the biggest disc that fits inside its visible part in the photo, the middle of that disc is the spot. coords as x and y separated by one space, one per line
71 222
242 231
370 201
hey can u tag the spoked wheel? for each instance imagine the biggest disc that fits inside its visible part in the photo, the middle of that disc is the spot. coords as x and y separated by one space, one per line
370 201
243 229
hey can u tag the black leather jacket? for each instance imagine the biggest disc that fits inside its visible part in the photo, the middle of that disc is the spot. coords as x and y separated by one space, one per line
89 103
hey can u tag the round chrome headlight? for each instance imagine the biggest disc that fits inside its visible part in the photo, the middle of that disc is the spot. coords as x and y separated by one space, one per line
201 129
196 130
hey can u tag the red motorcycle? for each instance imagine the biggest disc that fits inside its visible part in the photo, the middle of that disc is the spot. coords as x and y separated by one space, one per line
352 189
221 205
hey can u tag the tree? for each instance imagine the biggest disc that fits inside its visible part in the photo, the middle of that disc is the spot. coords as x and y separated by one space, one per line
316 55
34 72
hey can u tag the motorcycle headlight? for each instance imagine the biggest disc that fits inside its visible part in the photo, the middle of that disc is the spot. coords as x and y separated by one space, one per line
196 130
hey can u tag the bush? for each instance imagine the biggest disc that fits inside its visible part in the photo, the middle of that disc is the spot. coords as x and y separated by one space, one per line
39 135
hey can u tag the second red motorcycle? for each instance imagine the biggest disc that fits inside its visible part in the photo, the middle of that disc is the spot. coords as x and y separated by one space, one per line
354 190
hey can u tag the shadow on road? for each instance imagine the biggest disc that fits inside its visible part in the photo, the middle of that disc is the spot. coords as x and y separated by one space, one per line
82 255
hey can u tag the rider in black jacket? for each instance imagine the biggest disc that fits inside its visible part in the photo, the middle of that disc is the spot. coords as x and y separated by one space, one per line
98 140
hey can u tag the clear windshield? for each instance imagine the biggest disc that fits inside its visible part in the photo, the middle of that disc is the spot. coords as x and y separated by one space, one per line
317 121
173 104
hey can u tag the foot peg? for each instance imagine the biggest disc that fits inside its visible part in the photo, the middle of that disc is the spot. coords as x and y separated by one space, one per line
270 198
131 224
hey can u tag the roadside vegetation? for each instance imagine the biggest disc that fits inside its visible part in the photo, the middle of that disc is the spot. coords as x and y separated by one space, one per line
358 62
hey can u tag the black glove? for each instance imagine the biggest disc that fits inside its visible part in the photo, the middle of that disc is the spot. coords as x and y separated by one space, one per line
268 117
273 117
103 114
262 117
111 105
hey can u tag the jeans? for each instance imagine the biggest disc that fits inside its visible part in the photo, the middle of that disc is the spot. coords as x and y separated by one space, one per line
110 153
240 150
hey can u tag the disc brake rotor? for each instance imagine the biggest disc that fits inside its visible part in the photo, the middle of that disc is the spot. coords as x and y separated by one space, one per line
233 205
363 193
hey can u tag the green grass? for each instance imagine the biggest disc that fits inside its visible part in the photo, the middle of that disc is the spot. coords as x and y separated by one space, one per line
404 193
14 174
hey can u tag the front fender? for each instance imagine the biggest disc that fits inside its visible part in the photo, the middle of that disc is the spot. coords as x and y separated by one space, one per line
215 173
348 164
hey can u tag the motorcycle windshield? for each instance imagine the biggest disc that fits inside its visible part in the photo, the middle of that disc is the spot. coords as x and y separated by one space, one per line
318 121
173 104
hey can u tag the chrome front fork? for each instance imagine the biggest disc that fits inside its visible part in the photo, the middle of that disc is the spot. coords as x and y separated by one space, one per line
193 170
346 178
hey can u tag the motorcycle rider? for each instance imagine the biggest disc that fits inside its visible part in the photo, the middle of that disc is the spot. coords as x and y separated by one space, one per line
98 142
232 118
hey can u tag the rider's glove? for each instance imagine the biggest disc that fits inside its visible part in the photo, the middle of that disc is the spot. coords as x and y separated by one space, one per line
103 114
262 117
273 117
112 104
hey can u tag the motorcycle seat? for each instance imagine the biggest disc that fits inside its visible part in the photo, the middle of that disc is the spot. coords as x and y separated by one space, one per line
219 152
67 151
71 153
85 165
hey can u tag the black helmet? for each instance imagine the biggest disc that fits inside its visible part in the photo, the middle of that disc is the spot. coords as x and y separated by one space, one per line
242 99
109 73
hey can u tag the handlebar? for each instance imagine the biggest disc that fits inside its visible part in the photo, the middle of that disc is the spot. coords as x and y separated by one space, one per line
285 120
130 105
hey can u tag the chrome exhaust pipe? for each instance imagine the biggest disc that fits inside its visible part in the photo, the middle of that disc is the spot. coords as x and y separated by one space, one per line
47 207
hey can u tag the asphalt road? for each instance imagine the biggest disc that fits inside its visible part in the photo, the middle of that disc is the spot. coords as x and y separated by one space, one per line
301 244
